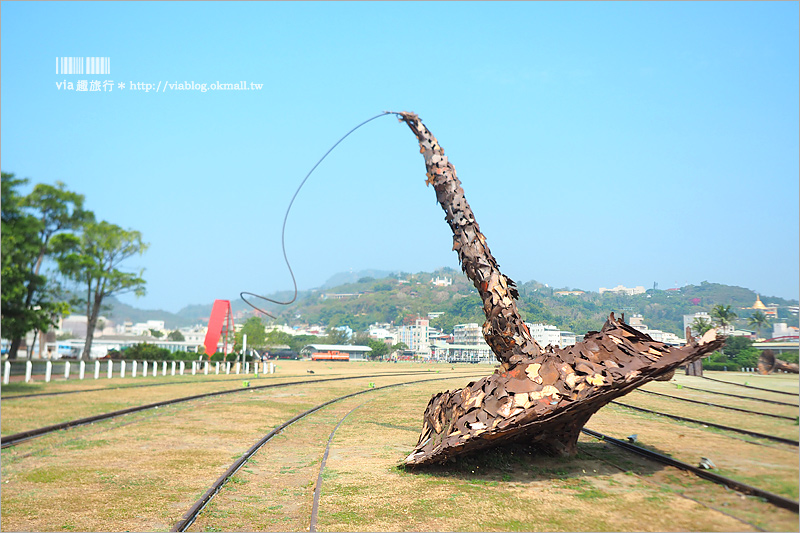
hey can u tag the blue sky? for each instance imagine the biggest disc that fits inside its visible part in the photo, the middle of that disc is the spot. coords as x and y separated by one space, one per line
598 143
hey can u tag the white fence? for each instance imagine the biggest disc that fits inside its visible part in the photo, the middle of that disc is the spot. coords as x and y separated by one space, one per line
111 369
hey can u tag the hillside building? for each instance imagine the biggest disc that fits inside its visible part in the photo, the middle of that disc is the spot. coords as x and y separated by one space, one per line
771 311
628 291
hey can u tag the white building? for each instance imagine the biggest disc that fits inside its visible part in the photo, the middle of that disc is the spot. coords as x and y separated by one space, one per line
462 353
471 333
619 289
194 334
545 334
385 333
416 337
75 325
141 328
781 329
441 282
688 320
637 323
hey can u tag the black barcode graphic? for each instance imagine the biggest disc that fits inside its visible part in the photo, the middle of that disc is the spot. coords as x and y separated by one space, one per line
83 65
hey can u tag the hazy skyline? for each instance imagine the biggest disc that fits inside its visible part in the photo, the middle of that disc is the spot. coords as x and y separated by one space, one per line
598 143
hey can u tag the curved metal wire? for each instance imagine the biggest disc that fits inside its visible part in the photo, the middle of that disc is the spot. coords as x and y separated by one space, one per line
286 217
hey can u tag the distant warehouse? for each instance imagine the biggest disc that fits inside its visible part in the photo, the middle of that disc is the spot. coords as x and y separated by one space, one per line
355 353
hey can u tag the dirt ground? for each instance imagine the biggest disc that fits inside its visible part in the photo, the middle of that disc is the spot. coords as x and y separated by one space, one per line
141 472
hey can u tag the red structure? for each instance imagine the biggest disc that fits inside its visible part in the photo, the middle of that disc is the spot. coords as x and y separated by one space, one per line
330 356
219 323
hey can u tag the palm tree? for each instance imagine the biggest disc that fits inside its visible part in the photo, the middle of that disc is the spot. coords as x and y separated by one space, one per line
700 325
723 315
759 321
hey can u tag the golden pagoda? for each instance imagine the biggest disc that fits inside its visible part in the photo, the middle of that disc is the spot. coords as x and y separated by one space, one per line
771 311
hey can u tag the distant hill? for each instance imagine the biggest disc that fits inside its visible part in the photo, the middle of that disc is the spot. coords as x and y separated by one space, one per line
343 278
119 312
358 299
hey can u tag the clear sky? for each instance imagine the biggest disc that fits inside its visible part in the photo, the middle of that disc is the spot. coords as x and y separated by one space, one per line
598 143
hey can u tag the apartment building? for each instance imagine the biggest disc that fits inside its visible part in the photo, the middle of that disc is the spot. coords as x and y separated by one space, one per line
417 337
545 334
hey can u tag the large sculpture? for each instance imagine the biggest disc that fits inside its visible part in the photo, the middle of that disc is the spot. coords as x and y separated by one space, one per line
768 363
540 395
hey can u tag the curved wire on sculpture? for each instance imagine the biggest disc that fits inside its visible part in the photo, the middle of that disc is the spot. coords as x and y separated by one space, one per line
286 217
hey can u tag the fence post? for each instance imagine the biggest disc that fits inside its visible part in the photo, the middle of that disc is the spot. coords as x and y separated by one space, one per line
255 368
247 367
48 371
238 367
164 368
28 369
110 368
96 369
205 368
227 367
81 369
66 370
133 369
144 369
183 366
173 368
194 367
122 369
6 372
217 367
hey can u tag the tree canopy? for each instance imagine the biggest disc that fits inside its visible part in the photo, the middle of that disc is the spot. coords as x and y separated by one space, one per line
254 329
30 301
723 315
93 259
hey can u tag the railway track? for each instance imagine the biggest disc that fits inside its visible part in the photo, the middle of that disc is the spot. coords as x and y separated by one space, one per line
775 499
194 511
192 514
739 409
752 387
711 424
186 521
17 438
741 397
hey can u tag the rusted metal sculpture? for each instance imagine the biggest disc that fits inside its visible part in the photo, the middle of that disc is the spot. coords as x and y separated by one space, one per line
768 363
540 395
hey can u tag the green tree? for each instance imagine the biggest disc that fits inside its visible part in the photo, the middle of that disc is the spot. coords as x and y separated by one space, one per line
379 348
337 336
256 335
399 347
176 336
759 321
278 338
156 333
92 260
29 223
734 345
723 315
700 325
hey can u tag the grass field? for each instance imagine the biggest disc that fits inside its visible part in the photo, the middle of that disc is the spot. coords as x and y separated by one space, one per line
141 472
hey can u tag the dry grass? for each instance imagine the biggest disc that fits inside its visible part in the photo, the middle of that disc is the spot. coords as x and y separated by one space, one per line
143 471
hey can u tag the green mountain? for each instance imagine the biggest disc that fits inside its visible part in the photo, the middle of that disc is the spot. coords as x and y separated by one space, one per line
364 299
